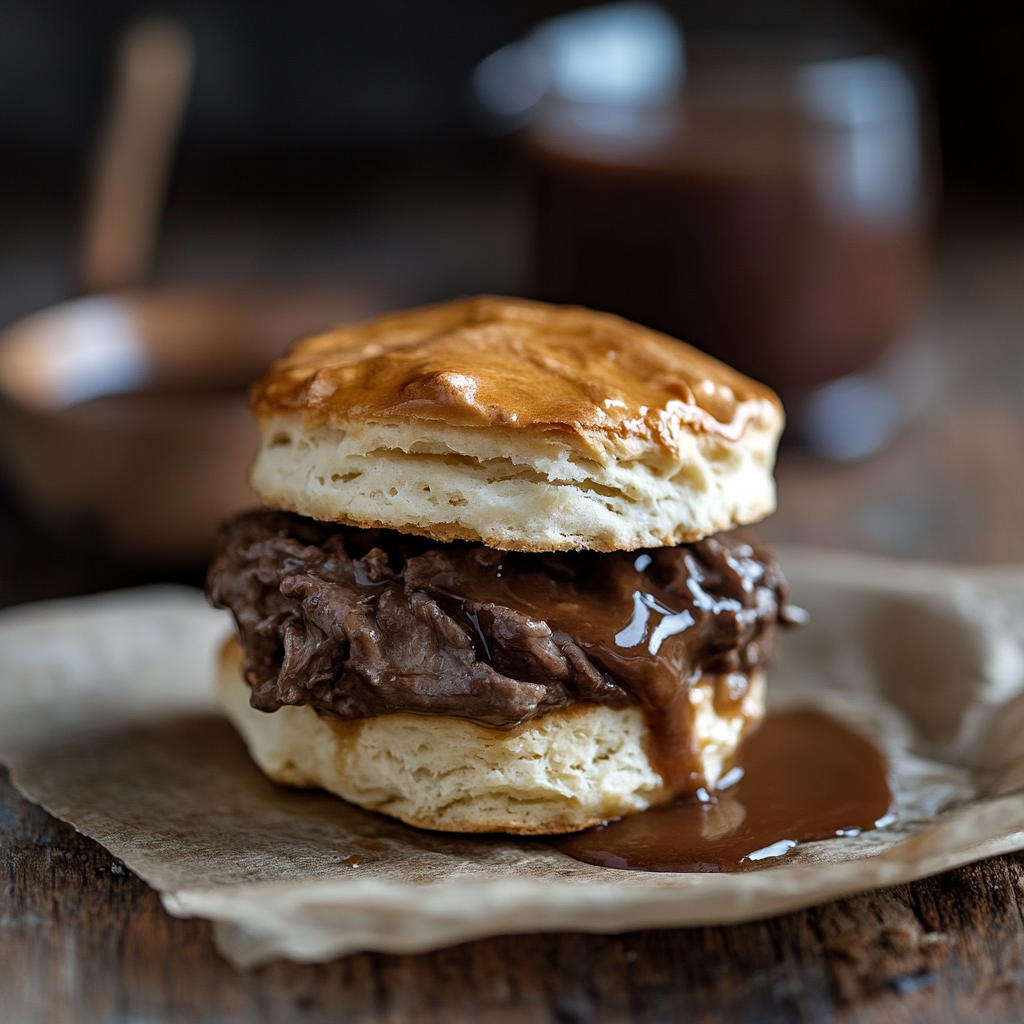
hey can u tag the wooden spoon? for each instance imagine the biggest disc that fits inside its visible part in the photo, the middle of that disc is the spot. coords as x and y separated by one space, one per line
152 81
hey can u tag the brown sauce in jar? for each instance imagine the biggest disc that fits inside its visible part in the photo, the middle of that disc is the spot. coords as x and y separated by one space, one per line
805 777
723 234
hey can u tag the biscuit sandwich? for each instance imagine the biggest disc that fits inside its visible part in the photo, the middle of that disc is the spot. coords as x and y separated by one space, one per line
494 587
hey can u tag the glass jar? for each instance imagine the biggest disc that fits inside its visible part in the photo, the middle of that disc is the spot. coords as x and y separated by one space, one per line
770 212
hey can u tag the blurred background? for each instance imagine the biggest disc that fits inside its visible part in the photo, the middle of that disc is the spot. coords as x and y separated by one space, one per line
829 195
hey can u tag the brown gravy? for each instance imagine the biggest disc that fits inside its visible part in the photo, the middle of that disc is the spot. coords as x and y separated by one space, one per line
805 777
333 617
721 237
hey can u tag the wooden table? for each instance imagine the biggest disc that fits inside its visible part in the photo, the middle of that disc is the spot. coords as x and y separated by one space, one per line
82 939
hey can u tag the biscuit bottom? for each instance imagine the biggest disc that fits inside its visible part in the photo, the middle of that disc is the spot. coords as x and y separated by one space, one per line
568 770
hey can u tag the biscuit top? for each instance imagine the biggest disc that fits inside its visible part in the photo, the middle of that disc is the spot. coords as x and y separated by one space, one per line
517 365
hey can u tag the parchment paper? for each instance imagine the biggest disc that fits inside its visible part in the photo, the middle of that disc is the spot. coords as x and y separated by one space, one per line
106 720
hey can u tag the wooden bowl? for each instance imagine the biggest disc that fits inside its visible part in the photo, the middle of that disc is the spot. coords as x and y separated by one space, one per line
127 412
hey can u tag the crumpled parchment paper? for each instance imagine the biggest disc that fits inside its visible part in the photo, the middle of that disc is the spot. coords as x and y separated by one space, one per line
106 719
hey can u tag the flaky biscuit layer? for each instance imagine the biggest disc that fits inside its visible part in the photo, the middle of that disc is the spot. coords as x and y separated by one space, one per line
519 424
566 771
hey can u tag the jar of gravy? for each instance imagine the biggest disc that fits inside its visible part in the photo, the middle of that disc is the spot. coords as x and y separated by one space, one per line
770 212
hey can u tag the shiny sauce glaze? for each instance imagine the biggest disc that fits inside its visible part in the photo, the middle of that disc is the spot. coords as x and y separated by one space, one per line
567 375
647 619
801 777
356 623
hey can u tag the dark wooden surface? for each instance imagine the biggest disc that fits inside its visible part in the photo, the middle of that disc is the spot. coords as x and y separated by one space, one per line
81 939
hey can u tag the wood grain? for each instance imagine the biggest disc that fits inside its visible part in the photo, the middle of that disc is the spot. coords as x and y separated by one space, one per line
82 939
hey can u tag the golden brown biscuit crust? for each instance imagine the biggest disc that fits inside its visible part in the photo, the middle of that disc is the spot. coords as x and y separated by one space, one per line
592 379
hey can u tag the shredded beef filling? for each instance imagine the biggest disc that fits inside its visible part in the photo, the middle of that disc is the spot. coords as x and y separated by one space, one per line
358 622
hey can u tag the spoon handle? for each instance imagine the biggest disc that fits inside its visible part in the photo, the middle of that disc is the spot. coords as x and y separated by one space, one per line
153 76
